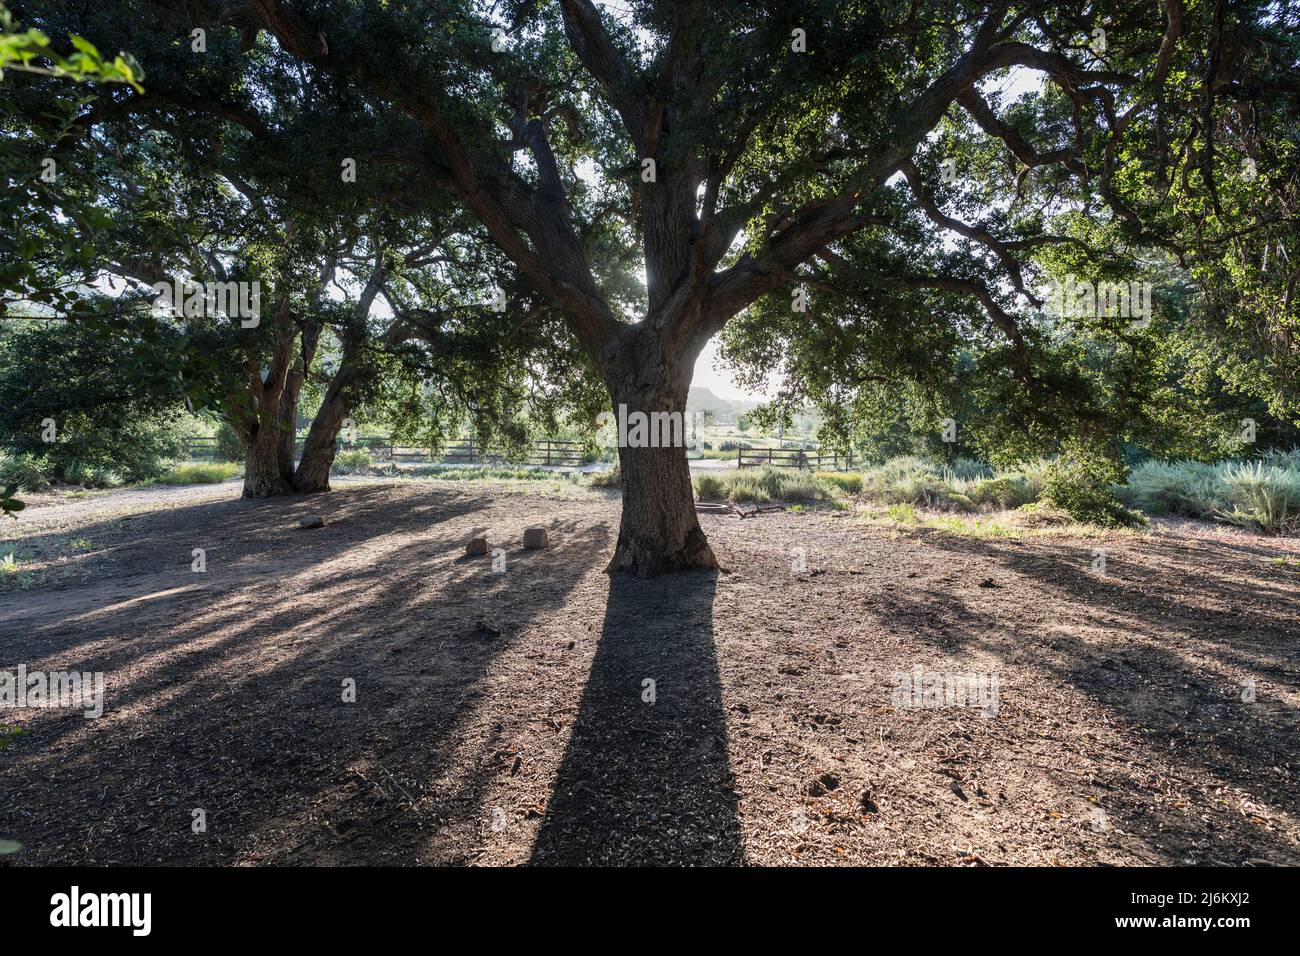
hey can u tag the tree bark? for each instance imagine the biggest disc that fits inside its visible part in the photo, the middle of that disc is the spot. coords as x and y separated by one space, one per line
659 532
263 475
320 446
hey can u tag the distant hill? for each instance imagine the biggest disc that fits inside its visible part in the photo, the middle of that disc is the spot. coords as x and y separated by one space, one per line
699 398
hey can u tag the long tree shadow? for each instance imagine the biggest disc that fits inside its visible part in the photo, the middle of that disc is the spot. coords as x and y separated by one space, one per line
646 777
235 707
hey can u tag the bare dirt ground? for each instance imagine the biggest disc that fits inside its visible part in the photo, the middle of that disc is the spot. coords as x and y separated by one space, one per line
1146 715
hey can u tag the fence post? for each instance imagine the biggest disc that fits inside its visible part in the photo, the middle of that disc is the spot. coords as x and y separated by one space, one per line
769 456
548 452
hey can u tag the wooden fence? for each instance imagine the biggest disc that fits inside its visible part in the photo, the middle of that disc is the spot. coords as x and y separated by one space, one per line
462 451
814 459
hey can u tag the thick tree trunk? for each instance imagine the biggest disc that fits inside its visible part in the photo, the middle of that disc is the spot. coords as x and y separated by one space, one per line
659 532
263 477
320 447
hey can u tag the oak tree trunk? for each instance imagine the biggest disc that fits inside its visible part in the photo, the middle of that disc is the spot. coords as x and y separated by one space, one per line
659 532
320 446
263 474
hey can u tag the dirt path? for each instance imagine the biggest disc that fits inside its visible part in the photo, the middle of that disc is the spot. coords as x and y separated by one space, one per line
1143 715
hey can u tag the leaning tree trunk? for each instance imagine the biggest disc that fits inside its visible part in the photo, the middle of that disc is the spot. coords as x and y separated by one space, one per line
321 445
659 532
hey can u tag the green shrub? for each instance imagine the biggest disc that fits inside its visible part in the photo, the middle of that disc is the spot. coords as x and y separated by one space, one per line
906 479
351 462
1034 474
967 469
1287 459
960 501
200 473
902 512
709 487
1004 491
847 481
228 446
23 471
1263 495
88 474
477 473
116 419
612 478
1081 483
1178 487
762 485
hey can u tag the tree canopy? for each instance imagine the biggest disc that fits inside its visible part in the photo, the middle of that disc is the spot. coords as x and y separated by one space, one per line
1039 215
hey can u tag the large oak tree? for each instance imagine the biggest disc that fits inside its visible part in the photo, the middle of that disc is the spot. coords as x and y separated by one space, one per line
740 153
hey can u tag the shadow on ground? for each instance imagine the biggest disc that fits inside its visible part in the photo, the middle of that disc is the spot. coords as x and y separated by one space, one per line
646 777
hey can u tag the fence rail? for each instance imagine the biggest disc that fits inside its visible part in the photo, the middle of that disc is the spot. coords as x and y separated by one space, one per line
462 451
549 452
813 458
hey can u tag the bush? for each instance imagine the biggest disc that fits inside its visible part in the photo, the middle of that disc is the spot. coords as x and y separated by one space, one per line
846 481
1080 484
1004 491
606 479
1179 487
114 420
1263 495
1286 459
1034 474
902 513
709 487
23 471
200 473
351 462
967 469
228 446
88 474
762 485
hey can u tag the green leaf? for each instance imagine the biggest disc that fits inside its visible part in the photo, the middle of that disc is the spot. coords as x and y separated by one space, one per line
84 45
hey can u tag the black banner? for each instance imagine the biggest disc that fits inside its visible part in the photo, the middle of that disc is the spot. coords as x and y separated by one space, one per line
335 905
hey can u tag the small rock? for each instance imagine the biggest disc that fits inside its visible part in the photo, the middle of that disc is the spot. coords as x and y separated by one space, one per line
477 545
536 538
311 521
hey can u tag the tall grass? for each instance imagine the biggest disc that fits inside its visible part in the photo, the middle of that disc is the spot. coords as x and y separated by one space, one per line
1263 494
352 461
965 485
763 485
200 473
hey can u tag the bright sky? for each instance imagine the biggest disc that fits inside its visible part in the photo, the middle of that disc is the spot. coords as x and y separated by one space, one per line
718 381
